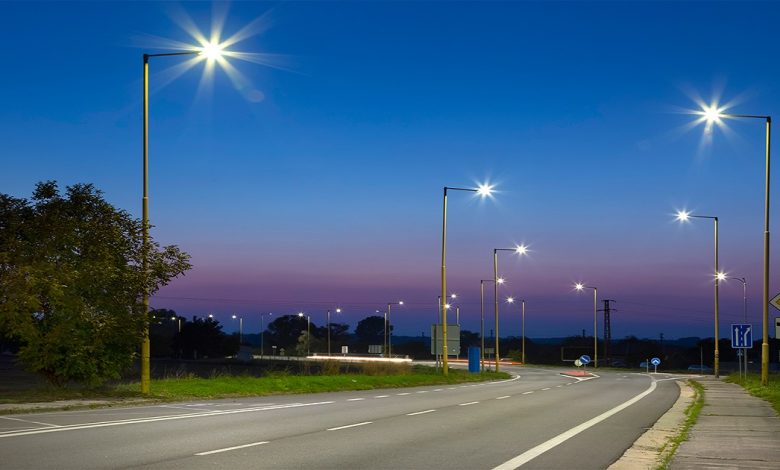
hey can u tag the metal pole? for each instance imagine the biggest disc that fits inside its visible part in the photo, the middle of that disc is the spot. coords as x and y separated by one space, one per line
595 331
717 311
444 284
523 322
482 324
328 332
145 343
308 335
262 336
389 333
457 321
495 295
765 299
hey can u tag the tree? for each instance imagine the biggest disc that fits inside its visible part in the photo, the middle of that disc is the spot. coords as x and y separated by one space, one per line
71 281
285 330
203 337
371 330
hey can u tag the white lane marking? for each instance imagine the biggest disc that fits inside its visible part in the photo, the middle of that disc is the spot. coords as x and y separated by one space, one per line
528 393
469 403
355 399
402 394
232 448
419 412
423 391
28 421
438 390
381 396
450 388
531 454
350 426
501 398
548 388
201 414
558 386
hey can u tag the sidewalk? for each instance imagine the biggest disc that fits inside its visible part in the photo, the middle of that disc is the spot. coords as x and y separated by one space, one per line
734 431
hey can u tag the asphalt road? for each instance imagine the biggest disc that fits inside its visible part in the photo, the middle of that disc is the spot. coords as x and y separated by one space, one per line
540 419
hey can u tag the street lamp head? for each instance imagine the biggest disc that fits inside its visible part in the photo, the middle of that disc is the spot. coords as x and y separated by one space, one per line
234 317
683 216
338 310
446 306
453 296
721 276
400 302
521 249
173 318
510 299
579 286
212 51
211 316
485 190
711 114
300 314
500 280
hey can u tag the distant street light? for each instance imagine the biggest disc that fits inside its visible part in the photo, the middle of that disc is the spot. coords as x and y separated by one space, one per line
240 328
338 310
522 302
389 328
580 286
210 52
713 114
484 190
308 333
482 318
683 216
178 319
519 250
743 280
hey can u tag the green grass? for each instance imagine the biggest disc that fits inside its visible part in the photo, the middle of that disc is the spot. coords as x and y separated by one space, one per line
752 384
691 415
224 386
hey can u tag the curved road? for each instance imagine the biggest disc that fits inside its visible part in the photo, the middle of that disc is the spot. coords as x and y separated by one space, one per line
539 419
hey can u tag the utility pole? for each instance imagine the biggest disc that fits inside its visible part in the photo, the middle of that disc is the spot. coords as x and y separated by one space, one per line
607 328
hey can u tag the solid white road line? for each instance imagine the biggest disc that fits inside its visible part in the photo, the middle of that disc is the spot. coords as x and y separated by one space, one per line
531 454
420 412
350 426
469 403
501 398
232 448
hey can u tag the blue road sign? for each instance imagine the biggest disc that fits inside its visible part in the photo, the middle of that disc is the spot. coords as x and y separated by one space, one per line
742 336
655 361
585 359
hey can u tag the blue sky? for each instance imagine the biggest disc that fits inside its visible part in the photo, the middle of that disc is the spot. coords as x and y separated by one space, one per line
318 181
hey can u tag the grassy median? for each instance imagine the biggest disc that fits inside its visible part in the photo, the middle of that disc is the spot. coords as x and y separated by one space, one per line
227 386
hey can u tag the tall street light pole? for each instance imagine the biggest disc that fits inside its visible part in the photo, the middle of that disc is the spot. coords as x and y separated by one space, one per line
683 216
713 115
483 190
240 328
580 286
482 318
743 280
338 310
211 52
308 332
522 303
389 328
520 250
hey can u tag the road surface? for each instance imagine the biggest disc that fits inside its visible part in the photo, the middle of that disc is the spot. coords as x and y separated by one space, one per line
539 419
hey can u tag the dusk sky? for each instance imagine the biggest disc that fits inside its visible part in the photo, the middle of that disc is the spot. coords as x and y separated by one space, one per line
312 177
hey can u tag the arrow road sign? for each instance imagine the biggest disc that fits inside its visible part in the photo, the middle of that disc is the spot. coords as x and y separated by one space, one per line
775 302
655 361
741 336
585 359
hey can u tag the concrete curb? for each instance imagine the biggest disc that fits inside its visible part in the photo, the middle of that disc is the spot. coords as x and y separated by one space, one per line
650 449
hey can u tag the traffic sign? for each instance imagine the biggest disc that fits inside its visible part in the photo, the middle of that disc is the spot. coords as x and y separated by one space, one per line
578 363
775 302
655 361
585 359
741 336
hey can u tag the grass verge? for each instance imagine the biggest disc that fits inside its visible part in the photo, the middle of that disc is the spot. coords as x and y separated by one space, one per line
752 384
691 415
225 386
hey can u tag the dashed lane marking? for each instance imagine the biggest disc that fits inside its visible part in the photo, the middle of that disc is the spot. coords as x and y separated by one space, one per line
350 426
232 448
420 412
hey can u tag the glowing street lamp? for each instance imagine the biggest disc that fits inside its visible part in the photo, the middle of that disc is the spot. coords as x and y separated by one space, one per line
338 310
388 328
210 52
684 216
712 115
483 190
518 250
522 302
580 287
240 328
482 317
723 277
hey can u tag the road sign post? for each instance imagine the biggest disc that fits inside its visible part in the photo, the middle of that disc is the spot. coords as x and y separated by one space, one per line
655 362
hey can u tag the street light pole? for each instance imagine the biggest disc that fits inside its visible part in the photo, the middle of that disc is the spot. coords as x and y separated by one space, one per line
579 286
389 328
483 190
683 216
520 250
338 310
712 114
523 324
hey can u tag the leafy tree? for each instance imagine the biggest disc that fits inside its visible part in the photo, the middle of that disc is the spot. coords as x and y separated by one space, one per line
71 281
285 330
371 330
203 337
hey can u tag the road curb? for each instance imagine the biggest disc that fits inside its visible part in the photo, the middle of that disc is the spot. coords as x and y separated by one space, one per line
647 452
